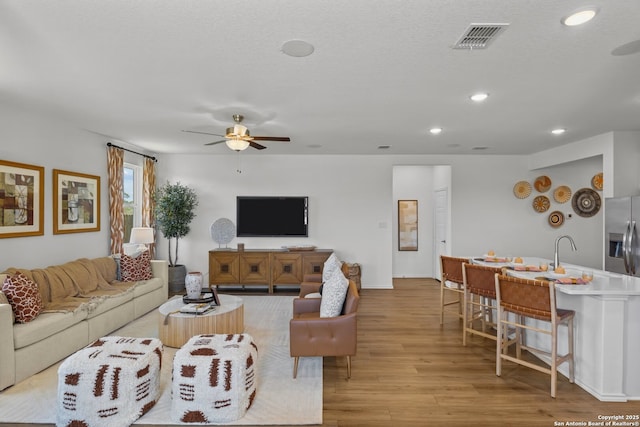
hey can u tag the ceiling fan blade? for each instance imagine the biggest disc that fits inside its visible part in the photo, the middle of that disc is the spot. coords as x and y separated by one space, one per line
272 138
256 145
215 142
202 133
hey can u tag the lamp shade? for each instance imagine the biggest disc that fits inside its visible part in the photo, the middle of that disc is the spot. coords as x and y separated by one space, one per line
141 235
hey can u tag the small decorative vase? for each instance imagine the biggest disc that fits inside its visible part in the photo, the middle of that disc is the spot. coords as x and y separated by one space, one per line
193 284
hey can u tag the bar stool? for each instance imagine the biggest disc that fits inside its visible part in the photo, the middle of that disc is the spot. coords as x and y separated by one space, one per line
479 299
532 299
451 280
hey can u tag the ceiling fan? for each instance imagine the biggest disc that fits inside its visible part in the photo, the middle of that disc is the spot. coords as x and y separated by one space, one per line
238 137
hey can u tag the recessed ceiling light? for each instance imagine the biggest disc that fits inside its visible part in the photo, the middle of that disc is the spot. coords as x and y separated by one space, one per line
580 16
297 48
479 97
435 131
558 131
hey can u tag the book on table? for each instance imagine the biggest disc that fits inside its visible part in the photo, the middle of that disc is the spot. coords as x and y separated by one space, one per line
195 308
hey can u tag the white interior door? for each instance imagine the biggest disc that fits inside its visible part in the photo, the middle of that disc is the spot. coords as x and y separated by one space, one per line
441 218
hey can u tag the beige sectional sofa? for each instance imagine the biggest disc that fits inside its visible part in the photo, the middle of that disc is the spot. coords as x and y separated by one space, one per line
83 301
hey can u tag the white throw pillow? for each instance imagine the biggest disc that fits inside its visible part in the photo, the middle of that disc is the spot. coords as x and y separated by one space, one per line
330 265
313 295
334 292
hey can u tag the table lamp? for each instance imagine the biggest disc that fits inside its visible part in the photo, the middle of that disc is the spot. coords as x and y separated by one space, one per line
141 236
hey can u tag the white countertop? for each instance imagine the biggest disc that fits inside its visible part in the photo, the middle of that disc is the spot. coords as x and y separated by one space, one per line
604 283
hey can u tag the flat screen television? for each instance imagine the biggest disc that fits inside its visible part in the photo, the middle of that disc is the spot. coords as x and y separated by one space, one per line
263 216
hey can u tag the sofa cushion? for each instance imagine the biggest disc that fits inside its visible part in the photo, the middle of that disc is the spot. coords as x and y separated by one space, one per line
107 267
333 295
145 286
22 293
44 326
61 284
102 303
84 275
136 268
4 300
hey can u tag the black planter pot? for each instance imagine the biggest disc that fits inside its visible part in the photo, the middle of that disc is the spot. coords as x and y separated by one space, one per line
177 274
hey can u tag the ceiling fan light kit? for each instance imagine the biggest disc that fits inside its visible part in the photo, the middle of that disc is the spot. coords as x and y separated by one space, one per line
239 138
237 144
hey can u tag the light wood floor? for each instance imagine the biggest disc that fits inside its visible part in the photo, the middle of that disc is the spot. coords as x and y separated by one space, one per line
411 372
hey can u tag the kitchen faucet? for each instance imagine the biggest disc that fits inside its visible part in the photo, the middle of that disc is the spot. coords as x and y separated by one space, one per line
556 258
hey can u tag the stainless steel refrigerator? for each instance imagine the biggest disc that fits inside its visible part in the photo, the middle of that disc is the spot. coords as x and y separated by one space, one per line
622 220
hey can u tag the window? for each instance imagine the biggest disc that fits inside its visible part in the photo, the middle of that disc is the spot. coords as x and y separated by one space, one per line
132 198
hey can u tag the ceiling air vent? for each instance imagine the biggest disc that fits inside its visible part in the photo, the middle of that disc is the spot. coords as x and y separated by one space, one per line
479 36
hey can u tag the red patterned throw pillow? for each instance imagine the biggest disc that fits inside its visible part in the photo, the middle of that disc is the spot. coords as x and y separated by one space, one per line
23 296
137 268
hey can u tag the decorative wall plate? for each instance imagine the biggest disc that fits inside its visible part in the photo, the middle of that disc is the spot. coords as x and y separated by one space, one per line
223 231
586 202
522 189
542 183
541 204
597 181
562 194
556 219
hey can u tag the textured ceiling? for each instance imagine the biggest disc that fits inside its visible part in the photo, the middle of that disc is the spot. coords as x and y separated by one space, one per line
382 73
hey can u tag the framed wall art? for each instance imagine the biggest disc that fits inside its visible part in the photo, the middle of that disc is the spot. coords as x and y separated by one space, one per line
407 225
21 199
76 202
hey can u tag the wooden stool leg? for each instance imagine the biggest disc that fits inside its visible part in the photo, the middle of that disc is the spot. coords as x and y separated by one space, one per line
465 317
499 344
442 303
571 361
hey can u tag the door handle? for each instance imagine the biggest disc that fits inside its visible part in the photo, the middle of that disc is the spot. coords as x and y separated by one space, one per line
632 247
443 241
625 246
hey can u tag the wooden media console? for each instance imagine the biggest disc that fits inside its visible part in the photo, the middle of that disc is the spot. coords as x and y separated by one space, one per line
270 267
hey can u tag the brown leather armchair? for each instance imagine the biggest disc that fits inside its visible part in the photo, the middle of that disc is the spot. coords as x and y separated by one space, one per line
311 335
311 282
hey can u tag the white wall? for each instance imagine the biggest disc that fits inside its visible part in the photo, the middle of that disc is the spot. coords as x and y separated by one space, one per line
351 200
349 204
37 140
352 205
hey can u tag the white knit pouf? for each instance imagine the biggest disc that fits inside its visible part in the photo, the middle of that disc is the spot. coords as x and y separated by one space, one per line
111 382
214 378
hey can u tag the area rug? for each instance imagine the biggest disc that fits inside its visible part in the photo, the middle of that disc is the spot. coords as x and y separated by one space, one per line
280 400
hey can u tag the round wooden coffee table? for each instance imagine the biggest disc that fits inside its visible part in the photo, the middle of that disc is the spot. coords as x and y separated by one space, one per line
175 329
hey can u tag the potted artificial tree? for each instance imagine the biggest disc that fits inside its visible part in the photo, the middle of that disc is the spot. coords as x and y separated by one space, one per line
175 204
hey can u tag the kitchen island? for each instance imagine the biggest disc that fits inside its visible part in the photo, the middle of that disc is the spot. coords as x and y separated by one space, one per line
607 330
